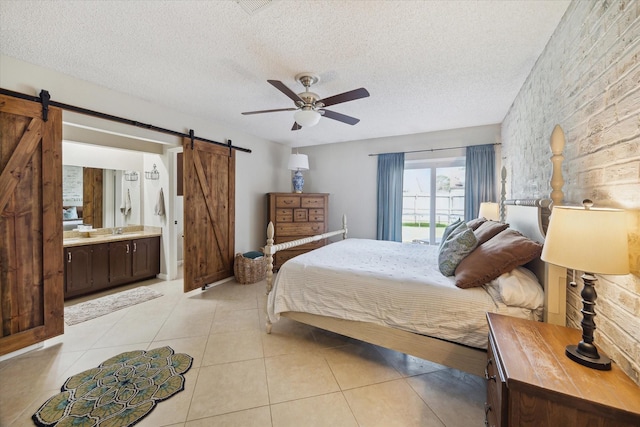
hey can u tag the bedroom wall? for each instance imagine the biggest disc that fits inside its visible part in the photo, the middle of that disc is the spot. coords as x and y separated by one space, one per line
587 80
257 173
348 173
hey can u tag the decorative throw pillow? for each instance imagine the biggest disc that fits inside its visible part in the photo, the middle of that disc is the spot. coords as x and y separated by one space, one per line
488 229
506 251
475 223
70 213
453 250
520 288
449 229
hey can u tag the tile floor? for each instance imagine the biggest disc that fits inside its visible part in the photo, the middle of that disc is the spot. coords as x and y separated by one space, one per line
296 376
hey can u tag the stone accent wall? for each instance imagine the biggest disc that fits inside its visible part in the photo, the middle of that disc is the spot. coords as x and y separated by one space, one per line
587 80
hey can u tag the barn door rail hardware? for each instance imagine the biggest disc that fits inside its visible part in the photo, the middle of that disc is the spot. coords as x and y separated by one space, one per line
45 100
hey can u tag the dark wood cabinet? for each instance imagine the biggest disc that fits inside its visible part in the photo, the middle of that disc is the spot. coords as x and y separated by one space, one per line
120 262
145 257
294 216
530 381
86 269
77 270
100 266
95 267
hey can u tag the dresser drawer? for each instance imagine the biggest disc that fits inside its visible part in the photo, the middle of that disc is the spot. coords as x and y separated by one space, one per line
312 202
302 229
283 256
284 215
287 202
301 215
497 405
316 215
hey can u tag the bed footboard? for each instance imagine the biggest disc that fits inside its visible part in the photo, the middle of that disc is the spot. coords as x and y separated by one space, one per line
270 249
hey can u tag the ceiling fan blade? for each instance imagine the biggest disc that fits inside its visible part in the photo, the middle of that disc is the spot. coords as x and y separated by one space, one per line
346 96
284 89
340 117
296 126
269 111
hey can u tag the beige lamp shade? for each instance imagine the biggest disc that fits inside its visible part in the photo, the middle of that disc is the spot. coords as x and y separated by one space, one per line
489 211
298 162
590 240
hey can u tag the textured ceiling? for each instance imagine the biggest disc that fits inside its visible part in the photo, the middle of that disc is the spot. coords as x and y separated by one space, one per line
429 65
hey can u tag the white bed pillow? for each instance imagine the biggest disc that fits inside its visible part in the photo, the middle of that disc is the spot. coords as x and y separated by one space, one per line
520 288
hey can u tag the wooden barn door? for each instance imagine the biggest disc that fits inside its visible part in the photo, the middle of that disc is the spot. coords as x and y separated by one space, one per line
31 264
209 213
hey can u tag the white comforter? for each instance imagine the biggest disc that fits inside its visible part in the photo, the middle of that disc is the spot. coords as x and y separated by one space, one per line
387 283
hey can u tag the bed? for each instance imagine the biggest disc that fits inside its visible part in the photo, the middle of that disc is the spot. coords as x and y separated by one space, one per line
427 325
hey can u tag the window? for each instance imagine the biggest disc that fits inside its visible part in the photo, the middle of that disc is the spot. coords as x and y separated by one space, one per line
433 197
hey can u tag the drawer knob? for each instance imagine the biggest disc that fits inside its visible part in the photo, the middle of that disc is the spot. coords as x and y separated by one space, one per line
486 371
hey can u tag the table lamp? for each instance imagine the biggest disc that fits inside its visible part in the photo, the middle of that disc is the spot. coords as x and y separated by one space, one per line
298 162
590 240
490 211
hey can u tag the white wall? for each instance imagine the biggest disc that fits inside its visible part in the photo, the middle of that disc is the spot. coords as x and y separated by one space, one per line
257 173
348 173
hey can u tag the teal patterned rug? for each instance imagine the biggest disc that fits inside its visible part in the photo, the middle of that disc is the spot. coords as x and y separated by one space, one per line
119 392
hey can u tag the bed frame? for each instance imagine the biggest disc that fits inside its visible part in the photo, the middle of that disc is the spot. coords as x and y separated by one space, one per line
528 216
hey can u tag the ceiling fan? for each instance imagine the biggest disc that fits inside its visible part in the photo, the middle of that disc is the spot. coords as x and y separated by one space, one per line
309 106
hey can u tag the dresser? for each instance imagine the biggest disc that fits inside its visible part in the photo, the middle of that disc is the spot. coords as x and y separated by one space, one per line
294 216
530 381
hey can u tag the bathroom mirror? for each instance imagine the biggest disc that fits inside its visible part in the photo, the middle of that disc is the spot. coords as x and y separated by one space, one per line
100 197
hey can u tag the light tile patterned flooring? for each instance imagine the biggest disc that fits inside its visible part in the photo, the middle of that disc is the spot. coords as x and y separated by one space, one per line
297 376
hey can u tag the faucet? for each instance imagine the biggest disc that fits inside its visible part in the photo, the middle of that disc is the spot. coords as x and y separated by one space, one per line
117 230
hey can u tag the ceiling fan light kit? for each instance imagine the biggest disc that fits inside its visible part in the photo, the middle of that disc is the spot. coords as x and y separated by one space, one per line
309 106
307 118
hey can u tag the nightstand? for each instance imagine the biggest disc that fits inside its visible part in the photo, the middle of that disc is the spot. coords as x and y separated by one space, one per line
530 381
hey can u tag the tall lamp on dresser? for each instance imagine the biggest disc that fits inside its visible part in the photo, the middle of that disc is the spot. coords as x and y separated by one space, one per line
298 163
591 240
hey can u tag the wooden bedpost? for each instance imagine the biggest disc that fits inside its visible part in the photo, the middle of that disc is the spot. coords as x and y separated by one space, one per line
503 193
557 145
269 253
555 290
344 226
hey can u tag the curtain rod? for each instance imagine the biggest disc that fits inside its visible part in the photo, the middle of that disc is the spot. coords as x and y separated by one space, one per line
44 100
430 149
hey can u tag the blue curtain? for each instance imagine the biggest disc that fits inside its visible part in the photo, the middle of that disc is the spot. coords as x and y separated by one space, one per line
479 179
390 176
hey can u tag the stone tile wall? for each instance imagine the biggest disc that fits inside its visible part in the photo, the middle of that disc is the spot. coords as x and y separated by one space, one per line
587 80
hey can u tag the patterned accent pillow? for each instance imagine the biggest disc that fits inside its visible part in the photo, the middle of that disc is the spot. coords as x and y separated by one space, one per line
455 248
449 229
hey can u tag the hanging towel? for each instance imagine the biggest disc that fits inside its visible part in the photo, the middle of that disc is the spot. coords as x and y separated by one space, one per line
125 207
159 210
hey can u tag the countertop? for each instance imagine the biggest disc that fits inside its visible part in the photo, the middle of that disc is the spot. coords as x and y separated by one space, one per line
104 235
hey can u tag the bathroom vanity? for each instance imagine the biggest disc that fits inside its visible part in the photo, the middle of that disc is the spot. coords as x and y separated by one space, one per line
107 257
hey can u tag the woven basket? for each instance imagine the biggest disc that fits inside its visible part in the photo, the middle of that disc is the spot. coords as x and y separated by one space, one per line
247 270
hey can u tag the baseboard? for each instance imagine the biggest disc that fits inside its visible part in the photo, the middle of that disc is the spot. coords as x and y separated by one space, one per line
21 351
